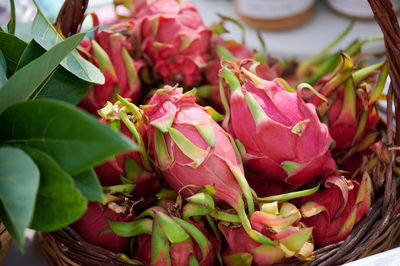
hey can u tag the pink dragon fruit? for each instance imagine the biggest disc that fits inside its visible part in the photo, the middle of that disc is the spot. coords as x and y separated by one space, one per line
94 222
167 235
233 51
192 151
111 52
180 253
350 112
173 37
334 211
280 223
278 134
133 165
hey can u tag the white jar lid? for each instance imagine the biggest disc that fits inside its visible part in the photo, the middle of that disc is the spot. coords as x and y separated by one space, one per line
356 8
272 9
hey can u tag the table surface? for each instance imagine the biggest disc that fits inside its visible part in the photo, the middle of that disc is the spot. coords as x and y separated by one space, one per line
301 42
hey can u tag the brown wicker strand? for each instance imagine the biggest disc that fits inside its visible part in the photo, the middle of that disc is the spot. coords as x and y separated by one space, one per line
66 247
5 240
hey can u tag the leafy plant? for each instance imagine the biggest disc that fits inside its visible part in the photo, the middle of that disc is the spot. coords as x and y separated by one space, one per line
48 147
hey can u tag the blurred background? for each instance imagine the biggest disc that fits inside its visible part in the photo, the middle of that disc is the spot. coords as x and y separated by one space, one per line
292 28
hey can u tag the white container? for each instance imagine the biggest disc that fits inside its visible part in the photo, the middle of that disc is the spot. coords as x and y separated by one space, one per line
275 14
356 8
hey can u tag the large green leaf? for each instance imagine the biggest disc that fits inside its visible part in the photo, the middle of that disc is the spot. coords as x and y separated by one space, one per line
88 183
12 49
3 70
19 182
75 139
62 85
65 86
32 51
47 36
58 202
24 82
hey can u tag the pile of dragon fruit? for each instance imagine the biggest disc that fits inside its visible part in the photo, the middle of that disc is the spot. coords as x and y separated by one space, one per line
244 159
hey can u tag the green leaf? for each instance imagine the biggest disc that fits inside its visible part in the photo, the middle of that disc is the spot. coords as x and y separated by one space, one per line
3 70
24 82
32 51
11 23
75 139
62 85
89 185
58 202
19 182
47 36
12 48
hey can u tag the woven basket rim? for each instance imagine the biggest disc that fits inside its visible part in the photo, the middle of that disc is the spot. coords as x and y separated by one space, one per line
6 240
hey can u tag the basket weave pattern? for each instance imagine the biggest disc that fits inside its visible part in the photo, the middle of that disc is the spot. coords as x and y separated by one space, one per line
376 232
5 240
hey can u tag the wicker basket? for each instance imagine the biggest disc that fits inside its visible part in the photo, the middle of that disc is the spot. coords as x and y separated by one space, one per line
5 240
376 232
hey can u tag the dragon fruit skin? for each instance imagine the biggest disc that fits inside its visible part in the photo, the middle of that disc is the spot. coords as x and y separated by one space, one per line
334 212
94 221
110 51
174 38
214 165
282 138
280 223
265 187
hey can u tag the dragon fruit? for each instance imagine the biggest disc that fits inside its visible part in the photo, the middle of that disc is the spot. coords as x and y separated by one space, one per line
192 150
278 134
168 235
233 51
172 35
112 53
132 165
94 222
334 211
350 112
280 222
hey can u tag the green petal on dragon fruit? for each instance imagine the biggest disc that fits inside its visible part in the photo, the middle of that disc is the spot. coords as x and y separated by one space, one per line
350 112
278 134
191 149
173 37
112 53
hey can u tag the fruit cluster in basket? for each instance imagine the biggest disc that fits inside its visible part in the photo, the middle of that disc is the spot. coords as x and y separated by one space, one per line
244 159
